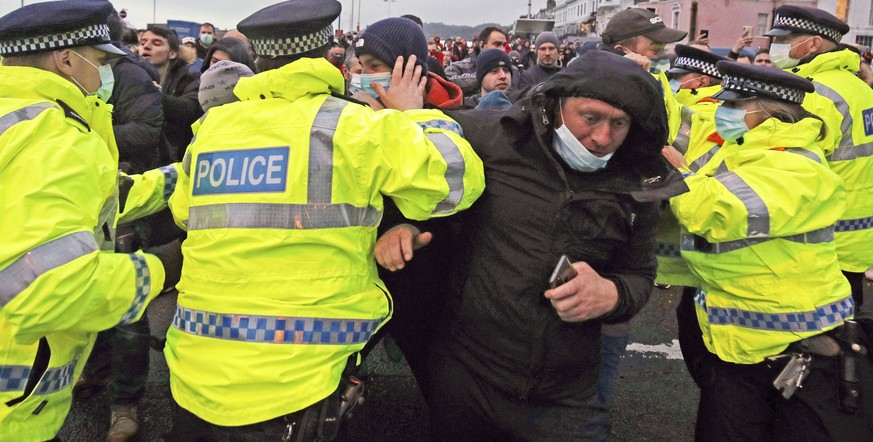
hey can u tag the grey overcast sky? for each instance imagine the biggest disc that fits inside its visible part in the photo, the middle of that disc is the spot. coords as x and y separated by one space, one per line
225 14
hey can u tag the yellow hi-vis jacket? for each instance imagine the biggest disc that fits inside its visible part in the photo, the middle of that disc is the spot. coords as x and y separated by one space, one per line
760 220
692 97
845 103
281 196
695 141
60 281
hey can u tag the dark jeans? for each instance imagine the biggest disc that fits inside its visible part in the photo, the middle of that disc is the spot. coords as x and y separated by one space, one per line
741 404
464 406
121 357
856 280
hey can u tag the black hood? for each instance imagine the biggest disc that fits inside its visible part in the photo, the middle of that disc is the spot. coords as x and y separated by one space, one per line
622 83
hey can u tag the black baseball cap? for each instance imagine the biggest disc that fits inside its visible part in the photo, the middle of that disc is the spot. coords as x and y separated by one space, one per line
637 21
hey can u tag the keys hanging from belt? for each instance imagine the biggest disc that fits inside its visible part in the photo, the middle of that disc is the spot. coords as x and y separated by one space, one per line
792 376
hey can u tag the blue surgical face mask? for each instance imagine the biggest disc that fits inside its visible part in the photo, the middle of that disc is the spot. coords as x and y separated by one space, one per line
206 39
107 80
730 123
384 79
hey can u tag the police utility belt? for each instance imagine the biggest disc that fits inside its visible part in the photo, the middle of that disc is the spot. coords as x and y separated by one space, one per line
845 343
320 422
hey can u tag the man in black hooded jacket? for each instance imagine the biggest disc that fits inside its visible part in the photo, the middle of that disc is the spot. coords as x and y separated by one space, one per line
573 169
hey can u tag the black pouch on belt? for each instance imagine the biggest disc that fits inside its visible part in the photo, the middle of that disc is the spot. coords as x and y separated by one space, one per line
852 340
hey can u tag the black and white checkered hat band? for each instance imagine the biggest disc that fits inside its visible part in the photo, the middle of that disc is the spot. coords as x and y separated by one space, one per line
693 64
809 25
93 34
277 47
756 87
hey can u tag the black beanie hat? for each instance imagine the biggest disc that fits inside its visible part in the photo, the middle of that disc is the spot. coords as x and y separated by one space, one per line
392 37
490 59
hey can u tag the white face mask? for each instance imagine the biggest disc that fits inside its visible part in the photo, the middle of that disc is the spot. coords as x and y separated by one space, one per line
779 55
573 152
107 80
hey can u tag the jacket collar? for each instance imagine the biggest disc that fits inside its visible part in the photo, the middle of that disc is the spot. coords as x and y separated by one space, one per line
443 94
844 60
27 83
297 79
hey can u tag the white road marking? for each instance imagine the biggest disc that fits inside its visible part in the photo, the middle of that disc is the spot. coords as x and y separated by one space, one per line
670 351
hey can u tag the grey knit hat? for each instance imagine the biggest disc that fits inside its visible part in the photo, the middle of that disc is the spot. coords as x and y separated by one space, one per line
217 83
547 37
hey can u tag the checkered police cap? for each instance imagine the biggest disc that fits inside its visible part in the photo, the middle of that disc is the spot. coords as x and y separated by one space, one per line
691 59
53 25
291 27
801 24
93 34
758 88
281 46
695 65
800 20
741 81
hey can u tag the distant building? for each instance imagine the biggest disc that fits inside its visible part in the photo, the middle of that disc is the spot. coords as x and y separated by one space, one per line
724 19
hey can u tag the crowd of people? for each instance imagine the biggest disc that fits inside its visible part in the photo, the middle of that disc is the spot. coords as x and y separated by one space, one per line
310 192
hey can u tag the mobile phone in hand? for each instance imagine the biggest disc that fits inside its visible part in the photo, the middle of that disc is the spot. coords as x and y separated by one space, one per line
704 33
563 272
747 31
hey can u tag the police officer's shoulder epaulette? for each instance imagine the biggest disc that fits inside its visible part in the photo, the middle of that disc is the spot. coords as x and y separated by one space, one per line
350 99
73 115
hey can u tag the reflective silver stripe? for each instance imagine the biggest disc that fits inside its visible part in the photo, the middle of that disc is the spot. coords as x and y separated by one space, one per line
143 287
852 152
847 149
455 168
758 215
822 317
23 114
274 329
843 109
684 135
14 378
805 153
171 176
722 168
850 225
107 218
667 250
700 162
321 151
694 243
442 124
186 162
19 275
281 216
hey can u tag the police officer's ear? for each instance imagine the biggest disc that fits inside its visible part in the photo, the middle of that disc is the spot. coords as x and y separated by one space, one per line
62 62
704 81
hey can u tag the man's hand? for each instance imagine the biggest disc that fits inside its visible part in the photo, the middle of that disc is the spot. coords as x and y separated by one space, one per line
407 86
674 157
367 98
741 43
642 60
394 248
587 296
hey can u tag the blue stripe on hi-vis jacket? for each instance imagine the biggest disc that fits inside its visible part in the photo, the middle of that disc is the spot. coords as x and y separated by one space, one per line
868 121
241 171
